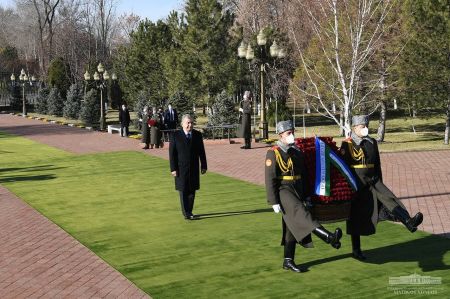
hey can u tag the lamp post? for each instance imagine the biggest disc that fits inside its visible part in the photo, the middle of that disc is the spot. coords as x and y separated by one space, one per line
263 60
101 77
24 80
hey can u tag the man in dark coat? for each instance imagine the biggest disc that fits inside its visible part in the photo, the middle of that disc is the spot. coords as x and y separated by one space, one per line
171 118
145 128
186 152
246 110
361 153
124 119
285 175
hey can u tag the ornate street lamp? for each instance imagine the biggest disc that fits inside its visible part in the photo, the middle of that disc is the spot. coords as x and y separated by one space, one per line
24 80
100 77
275 52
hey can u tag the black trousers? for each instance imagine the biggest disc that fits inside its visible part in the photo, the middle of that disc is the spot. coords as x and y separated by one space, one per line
289 244
187 202
124 131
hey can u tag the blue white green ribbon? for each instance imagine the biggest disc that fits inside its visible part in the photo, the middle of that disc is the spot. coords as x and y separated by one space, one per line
324 157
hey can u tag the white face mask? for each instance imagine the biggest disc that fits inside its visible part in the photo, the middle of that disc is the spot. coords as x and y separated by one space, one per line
290 139
364 132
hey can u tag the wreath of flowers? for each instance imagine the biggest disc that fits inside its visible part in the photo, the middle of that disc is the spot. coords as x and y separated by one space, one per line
340 189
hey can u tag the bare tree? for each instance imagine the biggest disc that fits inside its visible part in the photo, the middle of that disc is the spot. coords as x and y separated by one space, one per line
45 12
346 35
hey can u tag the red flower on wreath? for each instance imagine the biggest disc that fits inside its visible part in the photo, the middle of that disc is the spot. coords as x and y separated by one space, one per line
151 122
340 190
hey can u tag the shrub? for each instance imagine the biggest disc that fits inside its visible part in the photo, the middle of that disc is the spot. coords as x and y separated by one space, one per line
90 108
72 104
223 111
55 103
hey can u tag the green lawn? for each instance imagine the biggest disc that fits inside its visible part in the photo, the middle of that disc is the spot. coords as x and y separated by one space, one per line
123 206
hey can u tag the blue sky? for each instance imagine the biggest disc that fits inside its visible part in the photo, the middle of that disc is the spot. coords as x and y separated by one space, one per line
151 9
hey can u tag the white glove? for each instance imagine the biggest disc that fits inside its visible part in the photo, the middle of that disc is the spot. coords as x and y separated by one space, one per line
276 208
241 110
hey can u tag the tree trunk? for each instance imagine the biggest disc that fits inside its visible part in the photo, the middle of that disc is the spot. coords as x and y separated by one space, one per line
447 124
341 122
347 121
382 125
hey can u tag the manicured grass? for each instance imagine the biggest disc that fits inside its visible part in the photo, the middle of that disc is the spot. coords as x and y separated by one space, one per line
123 206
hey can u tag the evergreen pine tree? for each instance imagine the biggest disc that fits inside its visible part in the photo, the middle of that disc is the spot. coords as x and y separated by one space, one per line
183 104
223 111
90 108
55 103
72 104
41 101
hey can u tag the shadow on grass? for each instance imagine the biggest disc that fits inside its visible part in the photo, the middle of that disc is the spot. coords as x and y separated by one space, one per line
428 252
439 127
227 214
42 177
429 137
33 168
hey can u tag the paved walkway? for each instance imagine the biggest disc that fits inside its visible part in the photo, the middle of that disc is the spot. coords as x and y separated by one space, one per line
41 265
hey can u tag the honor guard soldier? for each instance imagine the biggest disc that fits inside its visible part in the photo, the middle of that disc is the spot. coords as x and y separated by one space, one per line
285 178
361 153
246 110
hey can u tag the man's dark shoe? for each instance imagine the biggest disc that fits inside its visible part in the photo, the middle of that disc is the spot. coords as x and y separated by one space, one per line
357 254
189 217
288 264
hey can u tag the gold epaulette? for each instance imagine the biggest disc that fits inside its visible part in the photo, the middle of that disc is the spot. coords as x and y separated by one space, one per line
362 166
290 177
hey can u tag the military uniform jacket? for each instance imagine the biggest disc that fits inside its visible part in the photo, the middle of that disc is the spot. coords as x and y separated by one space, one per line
372 196
246 119
145 130
285 179
185 157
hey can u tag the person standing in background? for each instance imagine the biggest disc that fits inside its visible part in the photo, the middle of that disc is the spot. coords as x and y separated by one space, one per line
124 119
171 118
246 110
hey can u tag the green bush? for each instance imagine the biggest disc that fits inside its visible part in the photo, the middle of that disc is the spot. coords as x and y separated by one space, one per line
41 101
90 108
223 111
55 102
72 104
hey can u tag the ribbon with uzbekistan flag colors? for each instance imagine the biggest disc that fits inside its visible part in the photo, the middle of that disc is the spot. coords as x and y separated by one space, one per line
324 157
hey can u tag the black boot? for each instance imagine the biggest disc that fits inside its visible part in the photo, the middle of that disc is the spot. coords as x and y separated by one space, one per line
356 248
329 237
247 144
410 223
288 264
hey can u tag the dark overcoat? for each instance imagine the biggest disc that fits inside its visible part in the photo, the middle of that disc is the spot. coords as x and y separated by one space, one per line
187 157
372 196
145 130
246 122
155 131
124 117
289 193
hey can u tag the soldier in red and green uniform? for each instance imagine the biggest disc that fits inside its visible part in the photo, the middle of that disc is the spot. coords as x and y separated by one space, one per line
361 153
285 178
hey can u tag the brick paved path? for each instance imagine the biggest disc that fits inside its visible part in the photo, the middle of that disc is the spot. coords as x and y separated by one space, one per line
420 179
